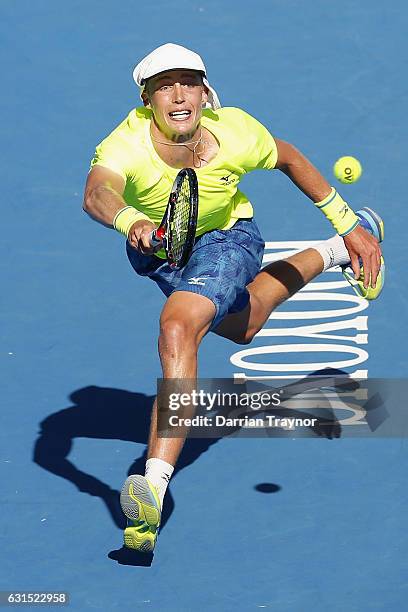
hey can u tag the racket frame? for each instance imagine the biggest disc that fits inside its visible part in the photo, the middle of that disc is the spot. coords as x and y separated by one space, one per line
160 237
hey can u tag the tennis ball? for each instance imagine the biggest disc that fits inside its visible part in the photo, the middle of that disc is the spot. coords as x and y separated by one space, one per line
347 169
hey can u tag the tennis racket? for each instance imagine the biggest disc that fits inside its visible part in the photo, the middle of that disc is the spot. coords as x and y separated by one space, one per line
177 229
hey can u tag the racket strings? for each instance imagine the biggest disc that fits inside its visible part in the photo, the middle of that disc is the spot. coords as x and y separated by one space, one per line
180 221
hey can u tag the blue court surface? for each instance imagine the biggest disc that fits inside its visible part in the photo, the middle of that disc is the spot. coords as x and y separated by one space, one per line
289 524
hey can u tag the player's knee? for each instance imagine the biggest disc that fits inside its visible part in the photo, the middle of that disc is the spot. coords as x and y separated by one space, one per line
247 339
249 335
174 335
244 339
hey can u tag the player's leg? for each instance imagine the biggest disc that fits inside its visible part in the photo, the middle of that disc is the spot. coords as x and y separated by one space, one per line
274 284
279 280
185 319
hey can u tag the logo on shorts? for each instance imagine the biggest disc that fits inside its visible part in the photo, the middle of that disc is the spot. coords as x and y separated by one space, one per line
197 280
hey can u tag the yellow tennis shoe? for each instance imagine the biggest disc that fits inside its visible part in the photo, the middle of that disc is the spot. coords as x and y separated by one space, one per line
141 506
373 223
357 284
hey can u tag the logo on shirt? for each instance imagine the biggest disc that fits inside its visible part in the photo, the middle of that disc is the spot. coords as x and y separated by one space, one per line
227 180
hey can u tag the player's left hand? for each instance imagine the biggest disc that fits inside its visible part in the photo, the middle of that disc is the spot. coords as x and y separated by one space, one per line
360 244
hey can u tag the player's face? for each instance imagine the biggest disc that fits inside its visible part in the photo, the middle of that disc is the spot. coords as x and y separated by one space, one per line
176 98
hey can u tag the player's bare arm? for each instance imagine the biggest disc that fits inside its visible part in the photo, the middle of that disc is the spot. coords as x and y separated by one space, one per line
103 199
103 195
308 179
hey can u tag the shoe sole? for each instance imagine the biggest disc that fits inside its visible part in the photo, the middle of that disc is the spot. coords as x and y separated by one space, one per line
139 505
371 216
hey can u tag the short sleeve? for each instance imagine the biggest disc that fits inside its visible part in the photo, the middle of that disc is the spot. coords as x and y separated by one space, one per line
262 152
113 153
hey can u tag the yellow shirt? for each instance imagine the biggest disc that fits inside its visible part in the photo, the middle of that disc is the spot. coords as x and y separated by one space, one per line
245 145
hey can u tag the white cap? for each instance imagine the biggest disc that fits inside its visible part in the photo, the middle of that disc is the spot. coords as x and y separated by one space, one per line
171 57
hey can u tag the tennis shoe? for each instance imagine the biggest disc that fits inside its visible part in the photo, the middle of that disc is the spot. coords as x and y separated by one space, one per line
141 506
374 224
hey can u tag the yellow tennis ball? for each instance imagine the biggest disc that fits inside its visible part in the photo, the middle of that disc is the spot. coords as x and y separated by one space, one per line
347 169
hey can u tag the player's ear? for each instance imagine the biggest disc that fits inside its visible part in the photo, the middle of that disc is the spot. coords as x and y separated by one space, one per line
204 96
145 99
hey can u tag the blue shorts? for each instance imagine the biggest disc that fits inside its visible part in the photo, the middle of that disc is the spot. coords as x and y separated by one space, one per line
220 267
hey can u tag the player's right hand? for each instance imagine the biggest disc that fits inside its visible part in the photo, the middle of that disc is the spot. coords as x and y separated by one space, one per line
139 236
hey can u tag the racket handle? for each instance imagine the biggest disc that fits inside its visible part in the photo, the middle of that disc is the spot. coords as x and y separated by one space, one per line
156 239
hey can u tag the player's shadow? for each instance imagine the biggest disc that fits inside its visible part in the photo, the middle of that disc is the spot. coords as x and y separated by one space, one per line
105 413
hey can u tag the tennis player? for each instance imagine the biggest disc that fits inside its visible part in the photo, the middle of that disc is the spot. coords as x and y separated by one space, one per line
221 289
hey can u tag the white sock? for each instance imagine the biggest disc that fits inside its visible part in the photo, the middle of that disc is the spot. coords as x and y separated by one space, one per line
333 252
158 472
